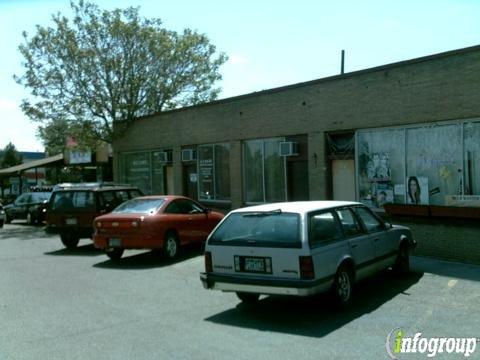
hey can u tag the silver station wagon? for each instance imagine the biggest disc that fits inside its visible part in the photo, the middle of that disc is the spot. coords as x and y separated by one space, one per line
302 248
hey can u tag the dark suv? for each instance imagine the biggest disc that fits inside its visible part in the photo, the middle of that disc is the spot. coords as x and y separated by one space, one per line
72 209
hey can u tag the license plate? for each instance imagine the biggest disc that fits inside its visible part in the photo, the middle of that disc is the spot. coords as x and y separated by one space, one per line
114 242
254 265
71 221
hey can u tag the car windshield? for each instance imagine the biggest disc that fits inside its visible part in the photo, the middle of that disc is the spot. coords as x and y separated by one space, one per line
261 229
139 206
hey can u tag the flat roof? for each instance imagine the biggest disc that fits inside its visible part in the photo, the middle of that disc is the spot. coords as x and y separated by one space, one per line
32 164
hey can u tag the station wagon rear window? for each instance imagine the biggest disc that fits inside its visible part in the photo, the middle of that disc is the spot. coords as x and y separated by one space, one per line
259 229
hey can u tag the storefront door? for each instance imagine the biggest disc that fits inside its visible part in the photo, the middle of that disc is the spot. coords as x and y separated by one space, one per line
343 179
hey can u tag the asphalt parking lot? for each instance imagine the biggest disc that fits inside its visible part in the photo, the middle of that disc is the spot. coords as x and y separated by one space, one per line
61 304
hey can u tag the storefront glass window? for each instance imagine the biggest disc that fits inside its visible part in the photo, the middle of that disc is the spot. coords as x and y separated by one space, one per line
214 172
427 165
253 170
434 164
471 167
135 170
158 177
264 171
381 164
274 171
222 172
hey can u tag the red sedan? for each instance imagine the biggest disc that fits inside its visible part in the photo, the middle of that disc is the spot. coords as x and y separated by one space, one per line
154 222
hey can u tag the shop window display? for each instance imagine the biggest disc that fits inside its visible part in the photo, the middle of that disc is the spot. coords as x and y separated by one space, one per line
381 164
433 164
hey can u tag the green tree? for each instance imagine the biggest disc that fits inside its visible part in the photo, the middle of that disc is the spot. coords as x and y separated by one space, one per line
10 156
108 67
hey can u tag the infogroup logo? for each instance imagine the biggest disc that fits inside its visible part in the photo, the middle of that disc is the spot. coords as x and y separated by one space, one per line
398 343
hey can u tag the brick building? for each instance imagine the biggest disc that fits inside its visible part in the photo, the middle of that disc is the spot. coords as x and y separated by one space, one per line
375 136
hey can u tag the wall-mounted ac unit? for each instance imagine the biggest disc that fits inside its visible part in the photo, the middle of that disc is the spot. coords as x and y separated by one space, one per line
288 148
189 155
164 156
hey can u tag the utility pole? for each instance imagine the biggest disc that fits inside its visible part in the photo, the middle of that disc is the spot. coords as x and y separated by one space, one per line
342 68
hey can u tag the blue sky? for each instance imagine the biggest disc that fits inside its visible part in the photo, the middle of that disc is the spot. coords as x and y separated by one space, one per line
270 43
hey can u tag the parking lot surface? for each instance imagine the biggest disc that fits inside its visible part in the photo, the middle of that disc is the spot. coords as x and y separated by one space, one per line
77 304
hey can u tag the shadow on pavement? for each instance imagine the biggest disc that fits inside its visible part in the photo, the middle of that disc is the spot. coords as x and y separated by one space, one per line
23 231
446 268
84 250
315 316
148 260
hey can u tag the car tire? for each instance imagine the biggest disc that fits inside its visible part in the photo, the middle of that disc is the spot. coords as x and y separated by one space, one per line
342 288
171 245
248 298
114 253
69 240
402 262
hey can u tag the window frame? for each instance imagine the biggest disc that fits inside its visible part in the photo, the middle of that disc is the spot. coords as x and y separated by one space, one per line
355 218
337 221
375 216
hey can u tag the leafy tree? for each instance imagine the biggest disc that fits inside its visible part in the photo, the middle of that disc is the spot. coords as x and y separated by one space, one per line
54 135
10 156
105 67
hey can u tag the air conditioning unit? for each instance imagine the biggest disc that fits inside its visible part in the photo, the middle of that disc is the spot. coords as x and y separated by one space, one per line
163 157
189 155
288 148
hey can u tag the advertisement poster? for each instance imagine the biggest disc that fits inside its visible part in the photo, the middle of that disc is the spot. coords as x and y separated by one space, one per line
384 195
417 190
378 167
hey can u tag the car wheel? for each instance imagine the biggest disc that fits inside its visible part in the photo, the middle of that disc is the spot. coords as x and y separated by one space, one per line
343 286
248 298
69 240
114 253
402 263
171 246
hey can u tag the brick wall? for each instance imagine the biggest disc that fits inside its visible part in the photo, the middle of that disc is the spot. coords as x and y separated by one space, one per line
449 239
435 88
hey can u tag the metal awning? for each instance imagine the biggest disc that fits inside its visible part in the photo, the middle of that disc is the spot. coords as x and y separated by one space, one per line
32 164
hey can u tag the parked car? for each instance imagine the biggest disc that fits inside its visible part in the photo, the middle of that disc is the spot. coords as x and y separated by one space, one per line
27 206
73 207
154 222
2 215
302 248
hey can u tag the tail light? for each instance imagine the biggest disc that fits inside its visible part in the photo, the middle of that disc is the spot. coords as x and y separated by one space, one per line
307 271
208 262
99 224
135 223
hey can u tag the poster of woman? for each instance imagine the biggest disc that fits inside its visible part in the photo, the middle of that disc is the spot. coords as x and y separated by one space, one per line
417 190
